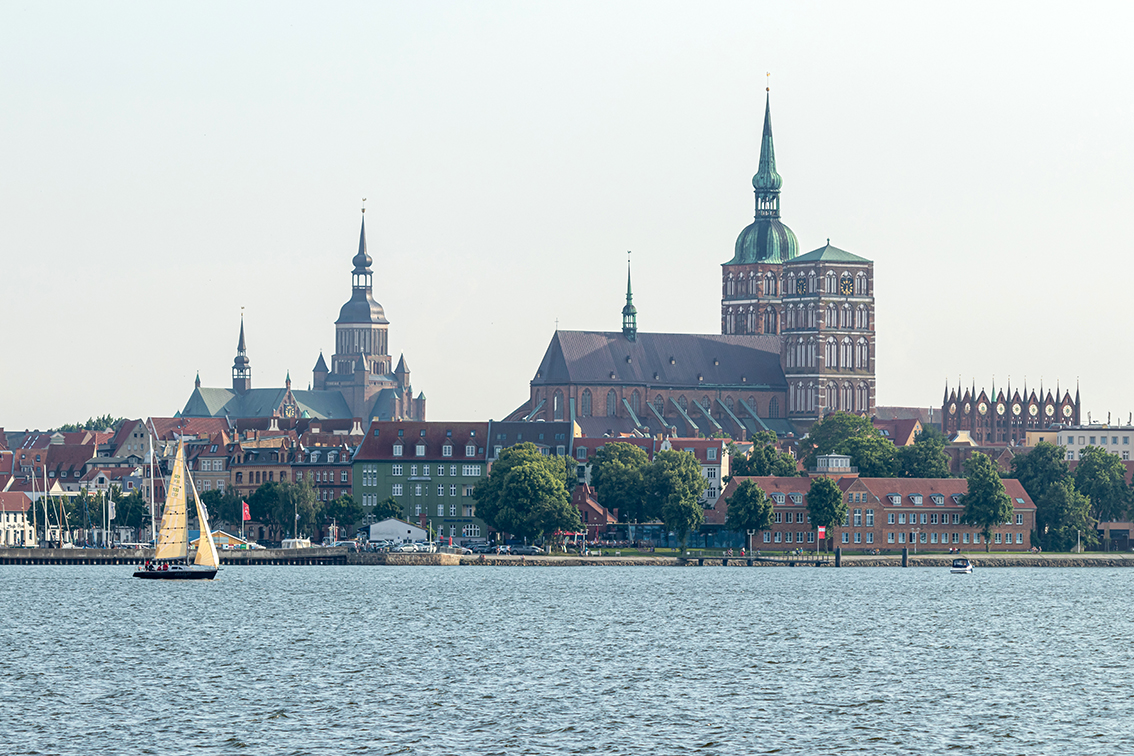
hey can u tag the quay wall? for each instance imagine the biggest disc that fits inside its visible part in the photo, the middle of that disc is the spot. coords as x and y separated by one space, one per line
340 556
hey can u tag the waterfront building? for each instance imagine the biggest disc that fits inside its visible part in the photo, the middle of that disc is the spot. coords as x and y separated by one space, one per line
399 531
15 520
361 381
1115 439
889 514
430 469
796 343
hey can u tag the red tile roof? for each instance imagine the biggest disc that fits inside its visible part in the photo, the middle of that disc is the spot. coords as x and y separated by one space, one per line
14 501
381 438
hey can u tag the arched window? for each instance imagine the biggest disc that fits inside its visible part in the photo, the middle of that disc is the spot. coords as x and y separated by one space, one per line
659 404
730 322
585 404
812 352
832 316
611 402
812 285
770 324
728 403
831 288
846 359
636 403
846 316
863 404
860 284
769 285
730 286
812 316
753 289
831 353
683 403
848 398
791 397
791 350
706 405
832 398
774 408
557 405
862 355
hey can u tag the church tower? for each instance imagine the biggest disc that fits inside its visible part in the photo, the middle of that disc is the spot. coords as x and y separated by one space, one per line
629 311
752 281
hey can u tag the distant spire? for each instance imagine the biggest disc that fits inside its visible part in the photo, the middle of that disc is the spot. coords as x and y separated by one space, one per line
629 312
197 382
767 181
241 367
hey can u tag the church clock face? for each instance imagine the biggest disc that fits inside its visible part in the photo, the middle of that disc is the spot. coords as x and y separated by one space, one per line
846 286
1049 410
801 286
952 409
1067 410
1000 409
1016 410
982 408
1033 410
968 408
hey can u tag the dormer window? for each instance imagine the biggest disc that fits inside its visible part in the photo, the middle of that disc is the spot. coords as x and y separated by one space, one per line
956 498
778 498
397 450
938 499
796 498
895 499
213 449
470 450
420 450
447 450
916 499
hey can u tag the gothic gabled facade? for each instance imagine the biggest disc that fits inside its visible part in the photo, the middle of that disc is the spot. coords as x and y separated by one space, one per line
1003 418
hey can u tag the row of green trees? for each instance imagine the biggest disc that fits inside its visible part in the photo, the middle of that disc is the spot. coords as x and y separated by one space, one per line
277 503
873 454
527 494
1069 506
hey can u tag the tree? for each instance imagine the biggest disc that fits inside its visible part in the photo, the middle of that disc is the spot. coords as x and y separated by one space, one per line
986 503
1066 514
828 434
825 504
345 511
279 502
749 508
131 511
223 507
1038 470
616 475
763 460
106 422
526 494
873 455
387 508
925 457
674 485
1101 476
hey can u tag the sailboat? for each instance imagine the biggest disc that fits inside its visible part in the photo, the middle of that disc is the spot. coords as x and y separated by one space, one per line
171 557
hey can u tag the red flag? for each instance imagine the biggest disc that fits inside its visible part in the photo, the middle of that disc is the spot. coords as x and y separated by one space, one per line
245 515
822 530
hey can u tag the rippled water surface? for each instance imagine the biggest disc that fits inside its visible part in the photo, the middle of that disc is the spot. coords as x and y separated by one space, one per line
318 660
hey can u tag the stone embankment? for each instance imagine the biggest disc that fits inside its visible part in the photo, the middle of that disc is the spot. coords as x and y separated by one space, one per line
994 560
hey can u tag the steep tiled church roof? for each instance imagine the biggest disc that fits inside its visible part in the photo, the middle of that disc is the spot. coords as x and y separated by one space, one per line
661 359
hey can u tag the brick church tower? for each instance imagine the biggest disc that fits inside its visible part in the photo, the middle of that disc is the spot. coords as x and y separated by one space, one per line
821 304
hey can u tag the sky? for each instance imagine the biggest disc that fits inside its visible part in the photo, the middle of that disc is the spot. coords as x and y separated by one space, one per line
167 167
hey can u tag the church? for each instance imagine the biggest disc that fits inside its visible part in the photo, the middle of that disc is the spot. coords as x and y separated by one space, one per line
359 383
796 343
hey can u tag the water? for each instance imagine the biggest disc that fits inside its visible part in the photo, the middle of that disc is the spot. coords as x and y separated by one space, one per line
320 660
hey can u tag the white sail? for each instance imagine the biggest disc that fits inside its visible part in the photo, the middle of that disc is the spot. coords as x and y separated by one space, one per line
173 540
206 549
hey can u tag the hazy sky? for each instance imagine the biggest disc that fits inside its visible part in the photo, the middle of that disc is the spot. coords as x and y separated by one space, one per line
164 165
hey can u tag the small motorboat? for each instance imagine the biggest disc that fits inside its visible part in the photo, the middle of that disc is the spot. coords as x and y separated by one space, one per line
961 567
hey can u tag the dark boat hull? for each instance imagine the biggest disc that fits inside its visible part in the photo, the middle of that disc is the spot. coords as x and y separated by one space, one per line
176 574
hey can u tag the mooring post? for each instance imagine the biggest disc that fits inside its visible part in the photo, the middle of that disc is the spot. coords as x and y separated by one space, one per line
838 556
906 556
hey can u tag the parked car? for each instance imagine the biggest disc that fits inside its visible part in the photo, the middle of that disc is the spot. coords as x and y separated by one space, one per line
527 550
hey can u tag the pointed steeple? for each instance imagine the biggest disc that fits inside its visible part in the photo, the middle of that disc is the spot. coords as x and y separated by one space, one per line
197 382
321 365
241 367
629 312
287 380
362 308
767 181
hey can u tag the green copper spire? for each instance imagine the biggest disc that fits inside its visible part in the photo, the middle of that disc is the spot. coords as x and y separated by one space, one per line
767 182
767 239
629 312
